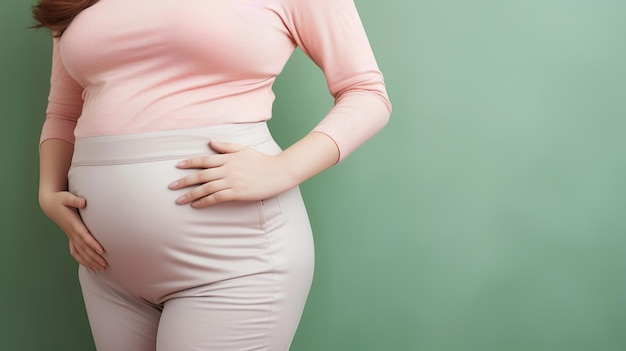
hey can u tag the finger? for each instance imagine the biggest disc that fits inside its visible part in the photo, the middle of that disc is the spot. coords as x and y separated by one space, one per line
226 148
92 243
71 200
215 198
92 250
88 257
79 257
78 230
86 245
207 161
203 191
82 258
205 176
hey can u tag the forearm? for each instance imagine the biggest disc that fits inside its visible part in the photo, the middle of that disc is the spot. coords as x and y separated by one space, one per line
309 156
55 157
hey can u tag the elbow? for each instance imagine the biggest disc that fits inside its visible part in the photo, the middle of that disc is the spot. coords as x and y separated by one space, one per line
388 109
372 96
380 106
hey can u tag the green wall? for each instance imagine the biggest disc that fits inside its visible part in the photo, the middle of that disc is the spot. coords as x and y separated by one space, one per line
490 214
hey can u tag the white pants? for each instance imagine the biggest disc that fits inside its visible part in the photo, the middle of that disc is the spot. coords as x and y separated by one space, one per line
233 276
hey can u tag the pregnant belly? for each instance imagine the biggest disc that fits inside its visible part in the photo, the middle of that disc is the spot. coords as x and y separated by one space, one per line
150 240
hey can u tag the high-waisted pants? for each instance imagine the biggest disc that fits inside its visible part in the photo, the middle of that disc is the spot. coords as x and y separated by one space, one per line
232 276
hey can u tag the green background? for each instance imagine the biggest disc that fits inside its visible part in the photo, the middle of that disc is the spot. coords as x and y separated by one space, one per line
489 214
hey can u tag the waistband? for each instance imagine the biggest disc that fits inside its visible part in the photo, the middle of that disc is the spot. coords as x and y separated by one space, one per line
164 145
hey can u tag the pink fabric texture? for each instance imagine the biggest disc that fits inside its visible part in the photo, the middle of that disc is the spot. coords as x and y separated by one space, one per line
127 66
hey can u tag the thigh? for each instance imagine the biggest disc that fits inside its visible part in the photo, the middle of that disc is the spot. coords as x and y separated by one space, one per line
231 315
118 322
244 314
258 311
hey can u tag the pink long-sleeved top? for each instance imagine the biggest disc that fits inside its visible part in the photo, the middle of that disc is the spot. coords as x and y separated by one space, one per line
132 66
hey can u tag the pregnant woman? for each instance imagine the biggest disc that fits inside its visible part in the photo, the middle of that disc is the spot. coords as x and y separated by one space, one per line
156 161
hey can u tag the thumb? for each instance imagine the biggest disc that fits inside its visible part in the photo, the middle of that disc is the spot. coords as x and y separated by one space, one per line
72 200
225 148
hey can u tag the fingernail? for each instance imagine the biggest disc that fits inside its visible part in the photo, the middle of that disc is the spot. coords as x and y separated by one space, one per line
180 200
181 164
174 185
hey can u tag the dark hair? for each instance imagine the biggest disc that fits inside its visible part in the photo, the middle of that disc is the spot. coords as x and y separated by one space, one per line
57 15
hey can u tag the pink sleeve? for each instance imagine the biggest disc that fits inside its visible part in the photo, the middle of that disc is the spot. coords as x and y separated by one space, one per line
330 32
64 102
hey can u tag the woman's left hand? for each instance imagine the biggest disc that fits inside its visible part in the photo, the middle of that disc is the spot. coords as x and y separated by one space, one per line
236 172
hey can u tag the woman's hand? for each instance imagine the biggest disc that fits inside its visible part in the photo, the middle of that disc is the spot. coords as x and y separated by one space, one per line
62 207
237 172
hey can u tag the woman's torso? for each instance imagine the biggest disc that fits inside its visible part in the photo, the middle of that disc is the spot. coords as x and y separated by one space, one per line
171 65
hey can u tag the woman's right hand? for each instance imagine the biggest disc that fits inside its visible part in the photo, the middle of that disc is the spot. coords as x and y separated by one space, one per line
62 207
